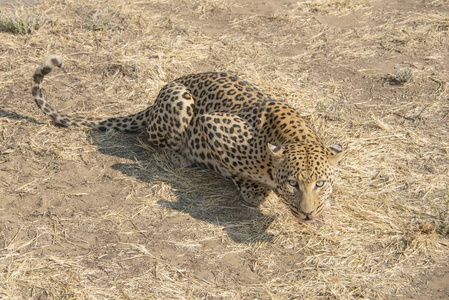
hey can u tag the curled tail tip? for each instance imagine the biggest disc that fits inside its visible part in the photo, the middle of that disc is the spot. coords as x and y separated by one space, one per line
53 61
45 68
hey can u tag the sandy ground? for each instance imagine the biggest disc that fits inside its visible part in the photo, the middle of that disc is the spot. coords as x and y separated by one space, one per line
103 216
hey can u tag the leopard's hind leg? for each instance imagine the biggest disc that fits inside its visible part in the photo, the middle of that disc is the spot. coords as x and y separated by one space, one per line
168 120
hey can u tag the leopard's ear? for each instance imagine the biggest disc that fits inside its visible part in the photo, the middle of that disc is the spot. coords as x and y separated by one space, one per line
276 152
335 154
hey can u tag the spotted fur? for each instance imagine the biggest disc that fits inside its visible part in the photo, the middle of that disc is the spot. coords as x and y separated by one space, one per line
228 125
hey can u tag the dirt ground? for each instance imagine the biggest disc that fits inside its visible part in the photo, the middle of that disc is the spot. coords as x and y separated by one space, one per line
88 215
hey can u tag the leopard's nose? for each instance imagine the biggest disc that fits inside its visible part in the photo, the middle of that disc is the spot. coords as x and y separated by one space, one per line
308 215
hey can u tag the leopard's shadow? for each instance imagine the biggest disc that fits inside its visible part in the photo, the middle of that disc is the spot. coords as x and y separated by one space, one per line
200 193
17 116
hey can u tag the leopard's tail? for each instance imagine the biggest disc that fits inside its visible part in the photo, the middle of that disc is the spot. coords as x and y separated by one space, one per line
135 122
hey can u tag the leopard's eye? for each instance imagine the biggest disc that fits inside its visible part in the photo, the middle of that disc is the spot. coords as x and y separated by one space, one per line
293 183
320 183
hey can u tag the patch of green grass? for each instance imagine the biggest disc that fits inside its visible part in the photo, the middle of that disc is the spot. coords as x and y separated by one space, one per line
19 25
442 215
330 110
96 20
401 75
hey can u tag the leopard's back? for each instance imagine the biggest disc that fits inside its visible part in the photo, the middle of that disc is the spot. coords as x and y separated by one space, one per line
221 92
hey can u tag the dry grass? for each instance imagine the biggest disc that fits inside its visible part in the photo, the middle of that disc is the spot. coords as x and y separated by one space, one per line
88 215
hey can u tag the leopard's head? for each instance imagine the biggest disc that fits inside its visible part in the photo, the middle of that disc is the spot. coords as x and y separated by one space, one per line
304 175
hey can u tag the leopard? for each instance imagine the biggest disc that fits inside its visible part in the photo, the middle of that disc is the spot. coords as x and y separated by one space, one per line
220 122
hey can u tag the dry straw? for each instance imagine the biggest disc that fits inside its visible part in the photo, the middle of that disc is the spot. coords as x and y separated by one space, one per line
104 216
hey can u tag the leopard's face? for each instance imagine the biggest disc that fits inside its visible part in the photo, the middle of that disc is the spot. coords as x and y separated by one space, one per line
304 175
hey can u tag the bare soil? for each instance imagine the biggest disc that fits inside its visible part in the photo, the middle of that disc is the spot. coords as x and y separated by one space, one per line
88 215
